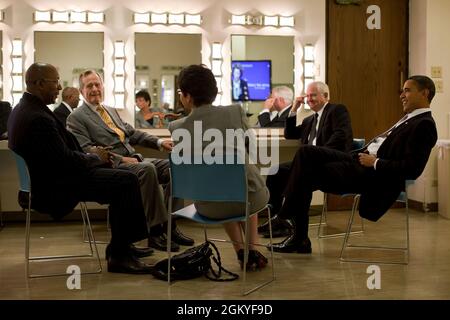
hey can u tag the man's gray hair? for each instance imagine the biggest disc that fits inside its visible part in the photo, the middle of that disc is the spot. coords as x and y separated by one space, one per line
322 87
284 92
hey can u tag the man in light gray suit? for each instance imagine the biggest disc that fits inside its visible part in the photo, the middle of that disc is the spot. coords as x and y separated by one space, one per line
94 124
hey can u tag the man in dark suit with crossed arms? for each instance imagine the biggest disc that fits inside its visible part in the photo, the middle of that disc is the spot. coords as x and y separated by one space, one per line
329 126
62 174
377 172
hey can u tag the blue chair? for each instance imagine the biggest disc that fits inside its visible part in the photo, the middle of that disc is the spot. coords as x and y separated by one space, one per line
25 186
213 182
402 198
356 145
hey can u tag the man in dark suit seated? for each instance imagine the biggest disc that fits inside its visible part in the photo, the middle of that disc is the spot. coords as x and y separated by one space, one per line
377 172
63 175
5 110
328 126
276 108
70 100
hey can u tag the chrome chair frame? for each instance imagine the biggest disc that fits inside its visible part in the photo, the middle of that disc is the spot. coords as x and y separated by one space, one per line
85 230
25 186
234 172
403 198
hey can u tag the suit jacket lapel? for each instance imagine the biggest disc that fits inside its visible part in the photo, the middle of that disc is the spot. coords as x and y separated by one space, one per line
321 122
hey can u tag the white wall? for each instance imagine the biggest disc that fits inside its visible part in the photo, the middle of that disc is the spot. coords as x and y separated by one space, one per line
429 23
309 16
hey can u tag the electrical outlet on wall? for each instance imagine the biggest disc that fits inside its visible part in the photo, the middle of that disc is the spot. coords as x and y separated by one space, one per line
436 72
439 86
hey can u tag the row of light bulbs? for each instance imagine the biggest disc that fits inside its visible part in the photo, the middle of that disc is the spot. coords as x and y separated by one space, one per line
160 18
261 20
69 16
168 18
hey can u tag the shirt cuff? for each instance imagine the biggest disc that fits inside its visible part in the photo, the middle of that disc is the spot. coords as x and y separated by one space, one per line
375 163
292 114
264 111
159 143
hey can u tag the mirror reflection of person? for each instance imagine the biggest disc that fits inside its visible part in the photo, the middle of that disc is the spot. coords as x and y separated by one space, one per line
276 108
148 117
70 100
239 85
145 117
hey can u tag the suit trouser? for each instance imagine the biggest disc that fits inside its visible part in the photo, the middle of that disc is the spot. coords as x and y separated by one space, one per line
119 189
318 168
151 191
162 168
276 184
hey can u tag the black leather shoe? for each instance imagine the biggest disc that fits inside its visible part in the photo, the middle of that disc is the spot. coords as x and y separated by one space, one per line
181 239
128 264
160 243
278 233
292 244
136 252
277 223
265 226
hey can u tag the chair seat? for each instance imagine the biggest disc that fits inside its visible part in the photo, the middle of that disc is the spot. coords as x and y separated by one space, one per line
190 212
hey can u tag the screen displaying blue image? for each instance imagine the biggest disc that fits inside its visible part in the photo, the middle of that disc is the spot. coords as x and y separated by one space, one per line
251 80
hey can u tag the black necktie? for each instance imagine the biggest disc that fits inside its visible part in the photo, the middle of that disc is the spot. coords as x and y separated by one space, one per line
313 132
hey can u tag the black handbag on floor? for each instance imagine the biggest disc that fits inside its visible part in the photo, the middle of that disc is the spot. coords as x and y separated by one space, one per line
193 263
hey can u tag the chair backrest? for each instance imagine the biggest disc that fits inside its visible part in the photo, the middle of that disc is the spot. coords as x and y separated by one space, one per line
24 175
358 143
209 182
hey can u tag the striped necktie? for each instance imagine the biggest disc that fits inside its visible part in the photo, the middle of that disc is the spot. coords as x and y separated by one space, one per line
110 123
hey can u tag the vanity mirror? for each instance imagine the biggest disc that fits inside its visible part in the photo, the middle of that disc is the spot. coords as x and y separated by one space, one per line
159 59
265 62
70 53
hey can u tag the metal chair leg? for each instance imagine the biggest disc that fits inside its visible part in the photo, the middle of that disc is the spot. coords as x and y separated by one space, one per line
323 217
92 244
405 249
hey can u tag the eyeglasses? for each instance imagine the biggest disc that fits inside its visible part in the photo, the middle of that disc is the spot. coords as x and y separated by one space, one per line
51 80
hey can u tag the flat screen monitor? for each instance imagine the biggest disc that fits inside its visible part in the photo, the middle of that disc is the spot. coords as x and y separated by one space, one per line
251 80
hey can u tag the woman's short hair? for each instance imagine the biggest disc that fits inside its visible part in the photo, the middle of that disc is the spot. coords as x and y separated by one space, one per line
198 81
143 94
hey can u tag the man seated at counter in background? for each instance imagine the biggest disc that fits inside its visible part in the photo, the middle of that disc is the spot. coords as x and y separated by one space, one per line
70 99
62 174
94 124
329 126
276 108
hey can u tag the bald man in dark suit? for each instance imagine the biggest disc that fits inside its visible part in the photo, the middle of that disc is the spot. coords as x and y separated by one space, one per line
62 174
